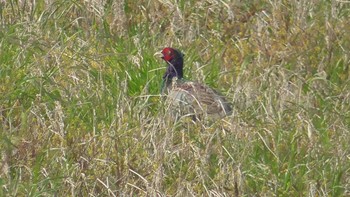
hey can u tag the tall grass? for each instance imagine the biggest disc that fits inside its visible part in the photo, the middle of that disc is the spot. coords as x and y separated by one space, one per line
81 113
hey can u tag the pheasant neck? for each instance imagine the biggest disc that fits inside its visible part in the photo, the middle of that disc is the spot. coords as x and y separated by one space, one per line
173 70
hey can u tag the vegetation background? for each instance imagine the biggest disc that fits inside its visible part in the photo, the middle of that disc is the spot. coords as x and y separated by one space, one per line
81 113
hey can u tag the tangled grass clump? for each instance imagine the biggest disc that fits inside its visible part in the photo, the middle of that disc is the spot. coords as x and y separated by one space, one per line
81 113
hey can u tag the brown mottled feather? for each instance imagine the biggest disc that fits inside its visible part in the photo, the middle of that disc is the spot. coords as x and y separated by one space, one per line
195 98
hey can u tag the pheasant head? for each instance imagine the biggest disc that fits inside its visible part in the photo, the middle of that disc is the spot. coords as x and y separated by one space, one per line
175 61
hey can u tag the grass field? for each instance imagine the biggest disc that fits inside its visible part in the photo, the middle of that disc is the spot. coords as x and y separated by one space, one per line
81 113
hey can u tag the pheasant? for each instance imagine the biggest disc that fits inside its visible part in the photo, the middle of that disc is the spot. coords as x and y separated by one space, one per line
187 97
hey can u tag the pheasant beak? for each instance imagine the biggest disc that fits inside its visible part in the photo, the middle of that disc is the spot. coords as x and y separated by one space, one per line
159 54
